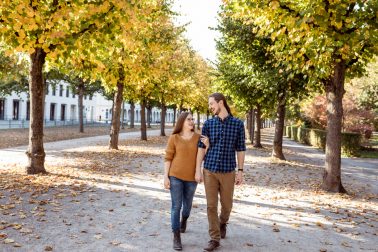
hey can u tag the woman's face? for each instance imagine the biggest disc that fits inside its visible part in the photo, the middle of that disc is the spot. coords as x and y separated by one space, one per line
189 122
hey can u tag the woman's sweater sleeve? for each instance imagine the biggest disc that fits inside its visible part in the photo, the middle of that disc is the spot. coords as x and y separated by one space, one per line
170 151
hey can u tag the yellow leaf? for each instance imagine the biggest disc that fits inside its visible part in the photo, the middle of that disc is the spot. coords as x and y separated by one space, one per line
7 241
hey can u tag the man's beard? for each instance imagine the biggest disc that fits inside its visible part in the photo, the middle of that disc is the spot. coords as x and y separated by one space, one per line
217 111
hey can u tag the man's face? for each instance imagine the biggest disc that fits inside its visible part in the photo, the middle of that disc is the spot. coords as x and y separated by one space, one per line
214 106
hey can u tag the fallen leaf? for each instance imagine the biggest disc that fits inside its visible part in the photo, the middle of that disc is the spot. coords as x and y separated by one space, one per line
26 231
115 243
7 241
319 224
98 236
48 248
345 244
17 226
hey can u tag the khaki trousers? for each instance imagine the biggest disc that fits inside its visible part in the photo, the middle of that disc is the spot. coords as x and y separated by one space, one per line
222 183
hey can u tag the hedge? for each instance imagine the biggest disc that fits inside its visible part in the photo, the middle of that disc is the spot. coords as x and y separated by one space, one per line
350 142
294 133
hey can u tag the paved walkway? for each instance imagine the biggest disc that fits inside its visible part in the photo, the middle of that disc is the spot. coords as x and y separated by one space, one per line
17 156
364 169
94 199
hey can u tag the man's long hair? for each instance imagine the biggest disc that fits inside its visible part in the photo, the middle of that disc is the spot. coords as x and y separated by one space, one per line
220 97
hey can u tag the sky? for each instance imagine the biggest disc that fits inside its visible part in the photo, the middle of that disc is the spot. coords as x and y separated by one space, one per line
201 14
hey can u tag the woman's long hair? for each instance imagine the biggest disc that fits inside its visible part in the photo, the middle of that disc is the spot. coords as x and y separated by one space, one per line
220 97
180 122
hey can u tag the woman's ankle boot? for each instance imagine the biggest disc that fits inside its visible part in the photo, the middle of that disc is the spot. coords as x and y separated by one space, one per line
177 240
183 224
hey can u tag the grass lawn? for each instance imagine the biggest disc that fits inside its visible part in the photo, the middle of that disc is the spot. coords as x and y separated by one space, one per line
372 150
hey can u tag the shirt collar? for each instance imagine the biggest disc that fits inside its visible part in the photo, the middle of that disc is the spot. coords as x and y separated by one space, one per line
225 119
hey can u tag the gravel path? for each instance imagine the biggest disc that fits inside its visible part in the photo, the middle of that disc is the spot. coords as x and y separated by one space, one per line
95 199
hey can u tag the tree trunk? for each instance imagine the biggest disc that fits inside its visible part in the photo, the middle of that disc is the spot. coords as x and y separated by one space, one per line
198 120
335 92
36 153
80 105
123 115
143 128
181 108
149 115
278 132
258 128
116 116
162 119
249 125
174 116
132 114
252 125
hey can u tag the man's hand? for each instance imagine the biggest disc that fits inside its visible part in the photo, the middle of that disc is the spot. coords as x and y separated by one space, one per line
198 177
239 178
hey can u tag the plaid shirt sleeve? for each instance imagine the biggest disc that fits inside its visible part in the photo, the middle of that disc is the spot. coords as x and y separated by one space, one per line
240 144
205 132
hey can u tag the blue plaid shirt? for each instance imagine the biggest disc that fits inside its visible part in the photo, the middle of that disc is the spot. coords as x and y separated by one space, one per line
225 137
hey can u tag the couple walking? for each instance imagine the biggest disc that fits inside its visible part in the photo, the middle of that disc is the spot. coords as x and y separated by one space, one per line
222 136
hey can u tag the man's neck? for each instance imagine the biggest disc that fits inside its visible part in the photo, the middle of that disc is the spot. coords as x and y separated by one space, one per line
223 114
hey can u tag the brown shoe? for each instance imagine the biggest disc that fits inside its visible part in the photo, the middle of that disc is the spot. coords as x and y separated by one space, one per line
212 245
223 230
183 224
177 240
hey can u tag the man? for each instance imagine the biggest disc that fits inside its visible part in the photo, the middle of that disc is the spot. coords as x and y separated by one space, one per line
226 136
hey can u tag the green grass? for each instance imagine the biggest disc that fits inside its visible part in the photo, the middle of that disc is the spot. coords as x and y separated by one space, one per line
371 148
369 154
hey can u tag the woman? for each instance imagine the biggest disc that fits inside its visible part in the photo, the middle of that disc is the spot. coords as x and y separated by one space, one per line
179 172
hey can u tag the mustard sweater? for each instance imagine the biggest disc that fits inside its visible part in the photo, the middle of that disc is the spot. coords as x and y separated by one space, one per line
182 154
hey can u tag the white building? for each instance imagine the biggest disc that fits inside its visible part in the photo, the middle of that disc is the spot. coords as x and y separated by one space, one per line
61 107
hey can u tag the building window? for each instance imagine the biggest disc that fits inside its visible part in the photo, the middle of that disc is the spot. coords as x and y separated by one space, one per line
2 109
106 114
90 97
85 97
28 110
63 112
16 110
52 111
53 88
60 90
47 89
67 92
73 92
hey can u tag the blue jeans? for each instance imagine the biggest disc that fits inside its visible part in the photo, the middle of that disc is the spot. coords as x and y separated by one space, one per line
182 193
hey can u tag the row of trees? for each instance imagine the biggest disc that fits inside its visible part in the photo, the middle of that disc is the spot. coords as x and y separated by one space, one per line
274 53
132 50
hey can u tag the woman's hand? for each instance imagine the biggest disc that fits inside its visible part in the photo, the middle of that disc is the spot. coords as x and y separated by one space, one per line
167 183
205 141
198 177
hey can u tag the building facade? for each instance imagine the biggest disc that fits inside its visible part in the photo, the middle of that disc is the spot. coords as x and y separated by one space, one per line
61 107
